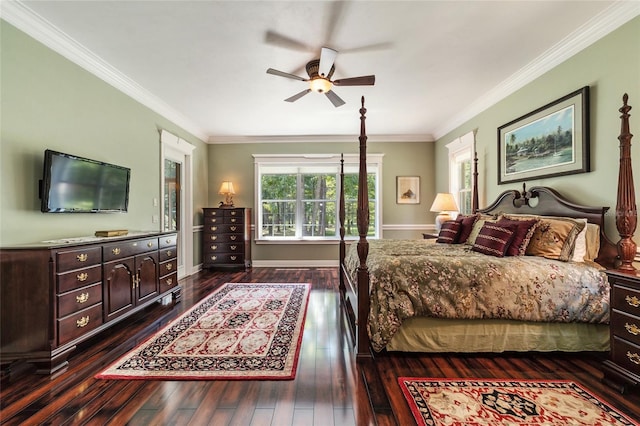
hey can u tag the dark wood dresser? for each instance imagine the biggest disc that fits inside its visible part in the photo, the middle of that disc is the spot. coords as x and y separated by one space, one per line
622 369
226 238
56 294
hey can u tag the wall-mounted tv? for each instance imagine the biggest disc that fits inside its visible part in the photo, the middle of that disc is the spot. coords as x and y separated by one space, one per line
73 184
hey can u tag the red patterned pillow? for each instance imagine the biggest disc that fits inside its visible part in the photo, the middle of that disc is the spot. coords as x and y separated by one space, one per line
493 239
524 230
449 232
466 226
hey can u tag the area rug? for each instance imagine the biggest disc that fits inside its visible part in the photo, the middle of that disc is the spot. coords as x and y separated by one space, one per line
506 402
241 331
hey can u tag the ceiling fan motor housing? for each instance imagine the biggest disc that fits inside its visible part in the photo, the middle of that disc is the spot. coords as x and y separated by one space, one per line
313 67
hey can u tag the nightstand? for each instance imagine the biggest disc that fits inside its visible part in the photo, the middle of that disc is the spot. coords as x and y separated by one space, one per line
428 236
622 369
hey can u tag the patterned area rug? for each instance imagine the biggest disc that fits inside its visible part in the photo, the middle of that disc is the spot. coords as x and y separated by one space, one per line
239 332
506 402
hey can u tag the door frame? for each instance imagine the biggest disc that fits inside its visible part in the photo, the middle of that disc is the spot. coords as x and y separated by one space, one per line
175 149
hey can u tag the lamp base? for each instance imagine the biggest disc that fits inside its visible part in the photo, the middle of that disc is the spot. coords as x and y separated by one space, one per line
440 219
223 205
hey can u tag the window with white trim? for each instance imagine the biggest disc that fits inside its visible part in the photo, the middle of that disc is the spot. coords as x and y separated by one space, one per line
297 196
461 171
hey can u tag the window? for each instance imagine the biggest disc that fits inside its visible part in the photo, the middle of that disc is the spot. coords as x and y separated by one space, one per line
461 171
298 196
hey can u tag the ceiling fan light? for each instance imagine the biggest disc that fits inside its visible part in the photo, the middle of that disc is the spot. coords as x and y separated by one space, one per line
320 85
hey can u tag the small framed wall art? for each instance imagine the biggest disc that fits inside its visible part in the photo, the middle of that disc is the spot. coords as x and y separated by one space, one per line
408 189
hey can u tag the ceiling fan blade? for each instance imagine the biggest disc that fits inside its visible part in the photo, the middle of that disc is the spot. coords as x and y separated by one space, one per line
272 37
285 74
335 99
327 58
297 96
337 10
365 80
368 48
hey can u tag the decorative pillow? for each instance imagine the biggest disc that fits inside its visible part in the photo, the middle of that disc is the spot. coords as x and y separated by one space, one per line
467 222
554 238
449 232
524 230
493 239
476 230
593 241
580 246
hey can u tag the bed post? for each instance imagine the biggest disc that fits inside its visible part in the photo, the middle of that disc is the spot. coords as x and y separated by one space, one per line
362 338
474 189
626 213
341 216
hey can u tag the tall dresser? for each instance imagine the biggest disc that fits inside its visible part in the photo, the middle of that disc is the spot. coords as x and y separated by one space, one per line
226 238
622 369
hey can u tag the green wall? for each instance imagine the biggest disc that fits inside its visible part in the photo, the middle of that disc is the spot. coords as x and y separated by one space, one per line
235 162
49 102
610 67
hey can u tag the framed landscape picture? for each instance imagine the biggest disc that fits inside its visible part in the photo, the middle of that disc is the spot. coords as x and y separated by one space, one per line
408 189
551 141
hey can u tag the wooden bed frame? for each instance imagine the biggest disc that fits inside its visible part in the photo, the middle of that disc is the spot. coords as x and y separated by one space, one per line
536 200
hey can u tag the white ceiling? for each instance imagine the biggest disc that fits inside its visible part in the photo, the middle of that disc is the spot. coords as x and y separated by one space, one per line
203 64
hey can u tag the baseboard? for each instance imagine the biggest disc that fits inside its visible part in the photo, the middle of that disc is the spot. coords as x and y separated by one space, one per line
295 263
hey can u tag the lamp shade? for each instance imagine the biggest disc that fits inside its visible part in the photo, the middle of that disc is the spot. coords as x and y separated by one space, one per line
226 188
444 202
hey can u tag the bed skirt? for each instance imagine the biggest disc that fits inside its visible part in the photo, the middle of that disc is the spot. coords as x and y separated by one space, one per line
448 335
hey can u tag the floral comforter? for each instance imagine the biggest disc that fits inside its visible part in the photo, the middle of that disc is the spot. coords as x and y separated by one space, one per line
419 278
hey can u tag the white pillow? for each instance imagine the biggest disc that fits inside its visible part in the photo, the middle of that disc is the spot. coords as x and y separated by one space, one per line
580 248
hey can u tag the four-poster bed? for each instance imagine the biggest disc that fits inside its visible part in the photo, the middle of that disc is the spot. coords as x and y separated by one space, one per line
386 310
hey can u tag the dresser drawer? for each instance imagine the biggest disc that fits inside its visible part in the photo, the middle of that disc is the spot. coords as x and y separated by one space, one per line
626 355
128 248
78 258
625 299
224 228
168 267
626 326
81 298
222 238
212 220
168 254
232 258
79 278
79 323
234 220
167 241
224 248
168 282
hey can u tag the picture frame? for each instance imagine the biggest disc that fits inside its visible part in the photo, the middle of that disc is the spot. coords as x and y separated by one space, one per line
407 189
550 141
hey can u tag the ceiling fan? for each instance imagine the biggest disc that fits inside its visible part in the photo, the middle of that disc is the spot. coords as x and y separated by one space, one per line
320 72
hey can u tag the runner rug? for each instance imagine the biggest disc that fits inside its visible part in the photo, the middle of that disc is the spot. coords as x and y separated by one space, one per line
506 402
239 332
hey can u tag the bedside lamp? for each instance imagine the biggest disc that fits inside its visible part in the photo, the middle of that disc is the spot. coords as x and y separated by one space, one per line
443 204
226 189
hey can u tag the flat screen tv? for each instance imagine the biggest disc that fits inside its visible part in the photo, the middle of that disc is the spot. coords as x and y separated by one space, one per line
73 184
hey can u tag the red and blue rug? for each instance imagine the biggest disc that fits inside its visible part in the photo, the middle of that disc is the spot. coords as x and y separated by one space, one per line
506 402
240 331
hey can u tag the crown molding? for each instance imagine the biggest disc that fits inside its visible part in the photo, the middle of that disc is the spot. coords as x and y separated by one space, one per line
24 18
213 140
618 14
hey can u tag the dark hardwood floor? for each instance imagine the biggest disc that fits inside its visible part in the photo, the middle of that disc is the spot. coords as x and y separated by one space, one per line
328 388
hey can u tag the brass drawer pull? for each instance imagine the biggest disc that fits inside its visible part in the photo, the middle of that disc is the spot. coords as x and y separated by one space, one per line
169 266
632 301
233 237
169 241
214 228
214 257
233 213
633 357
214 237
82 322
169 253
632 328
214 247
233 228
150 244
82 298
115 251
82 277
82 257
233 247
169 281
234 257
234 220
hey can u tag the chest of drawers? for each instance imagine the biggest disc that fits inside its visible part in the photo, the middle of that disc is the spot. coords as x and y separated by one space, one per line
56 295
622 369
226 238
